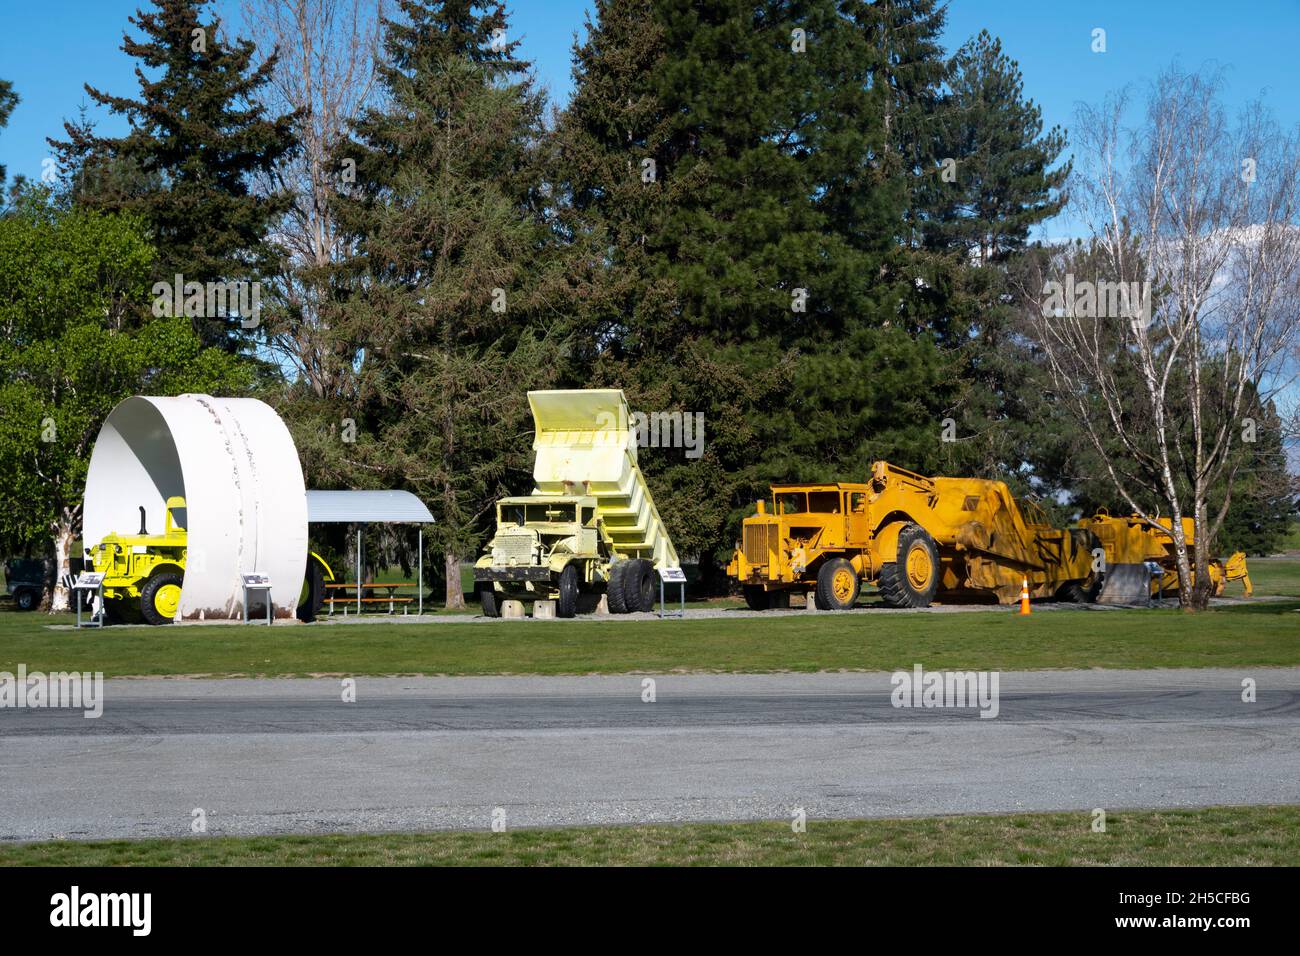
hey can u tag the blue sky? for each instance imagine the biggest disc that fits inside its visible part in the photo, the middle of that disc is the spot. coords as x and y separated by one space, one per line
49 49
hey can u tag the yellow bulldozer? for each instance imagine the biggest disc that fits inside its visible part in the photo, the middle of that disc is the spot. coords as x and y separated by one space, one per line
1141 562
917 538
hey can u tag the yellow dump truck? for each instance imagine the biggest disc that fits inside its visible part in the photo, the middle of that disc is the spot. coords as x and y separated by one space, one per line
590 526
917 538
1141 563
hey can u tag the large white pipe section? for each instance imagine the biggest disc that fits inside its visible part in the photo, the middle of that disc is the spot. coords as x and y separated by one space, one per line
234 462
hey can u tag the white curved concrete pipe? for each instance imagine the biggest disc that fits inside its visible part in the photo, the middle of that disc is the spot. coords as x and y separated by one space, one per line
234 462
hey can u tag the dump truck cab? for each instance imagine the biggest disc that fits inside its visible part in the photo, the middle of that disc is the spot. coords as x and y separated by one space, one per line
537 535
144 568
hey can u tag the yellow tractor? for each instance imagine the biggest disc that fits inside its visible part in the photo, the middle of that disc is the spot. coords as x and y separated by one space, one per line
144 572
144 568
1134 549
917 538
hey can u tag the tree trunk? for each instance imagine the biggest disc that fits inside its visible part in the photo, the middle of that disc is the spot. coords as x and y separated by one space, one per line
455 595
1203 586
63 535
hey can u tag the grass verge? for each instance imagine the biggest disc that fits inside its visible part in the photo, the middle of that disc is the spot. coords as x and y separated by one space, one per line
1216 836
1253 635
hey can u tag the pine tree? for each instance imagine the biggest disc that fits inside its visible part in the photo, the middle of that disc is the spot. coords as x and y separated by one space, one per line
195 144
445 211
8 100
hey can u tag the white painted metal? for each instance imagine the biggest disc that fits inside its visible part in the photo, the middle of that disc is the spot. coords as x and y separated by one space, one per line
234 462
366 507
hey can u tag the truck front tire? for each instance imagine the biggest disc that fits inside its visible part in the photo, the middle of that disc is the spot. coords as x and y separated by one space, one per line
487 599
837 586
26 599
567 604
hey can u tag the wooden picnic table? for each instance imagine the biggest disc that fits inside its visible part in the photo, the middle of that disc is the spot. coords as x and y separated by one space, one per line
391 586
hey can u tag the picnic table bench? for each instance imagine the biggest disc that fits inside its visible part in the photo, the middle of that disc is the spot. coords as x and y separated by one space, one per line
334 592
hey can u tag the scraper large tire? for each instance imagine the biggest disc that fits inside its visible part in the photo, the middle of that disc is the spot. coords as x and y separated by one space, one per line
913 576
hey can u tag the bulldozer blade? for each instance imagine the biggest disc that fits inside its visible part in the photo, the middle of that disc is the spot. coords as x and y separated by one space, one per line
1126 584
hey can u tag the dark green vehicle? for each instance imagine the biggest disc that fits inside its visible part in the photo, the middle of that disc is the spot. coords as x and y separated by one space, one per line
25 582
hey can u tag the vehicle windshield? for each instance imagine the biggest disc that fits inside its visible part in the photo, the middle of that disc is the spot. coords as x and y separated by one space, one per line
548 513
806 502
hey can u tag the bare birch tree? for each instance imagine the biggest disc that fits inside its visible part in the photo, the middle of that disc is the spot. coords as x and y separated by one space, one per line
1192 220
326 70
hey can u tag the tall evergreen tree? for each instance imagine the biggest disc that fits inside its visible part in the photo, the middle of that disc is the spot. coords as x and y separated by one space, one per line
446 215
196 141
8 100
730 163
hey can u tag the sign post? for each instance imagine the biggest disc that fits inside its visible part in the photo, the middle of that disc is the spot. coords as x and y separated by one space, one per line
672 576
257 581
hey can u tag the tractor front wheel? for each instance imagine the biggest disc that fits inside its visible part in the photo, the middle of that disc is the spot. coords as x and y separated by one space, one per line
160 598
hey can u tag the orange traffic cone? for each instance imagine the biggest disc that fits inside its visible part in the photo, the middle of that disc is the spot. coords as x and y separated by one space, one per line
1024 596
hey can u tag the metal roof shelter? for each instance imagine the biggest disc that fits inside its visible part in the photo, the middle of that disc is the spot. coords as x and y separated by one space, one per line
371 507
366 507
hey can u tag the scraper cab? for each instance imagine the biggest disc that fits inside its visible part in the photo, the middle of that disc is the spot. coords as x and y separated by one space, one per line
143 572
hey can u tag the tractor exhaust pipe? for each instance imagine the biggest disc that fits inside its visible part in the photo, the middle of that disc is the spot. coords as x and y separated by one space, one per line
142 528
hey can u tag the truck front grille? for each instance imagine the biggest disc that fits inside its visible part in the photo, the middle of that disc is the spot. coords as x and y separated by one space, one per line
516 547
759 541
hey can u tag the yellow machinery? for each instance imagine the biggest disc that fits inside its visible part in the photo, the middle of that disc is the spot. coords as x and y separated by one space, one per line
1135 548
590 526
145 572
918 538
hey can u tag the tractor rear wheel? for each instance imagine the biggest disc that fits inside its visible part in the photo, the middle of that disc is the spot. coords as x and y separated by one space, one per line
567 605
312 595
913 576
614 592
160 598
837 586
487 599
757 597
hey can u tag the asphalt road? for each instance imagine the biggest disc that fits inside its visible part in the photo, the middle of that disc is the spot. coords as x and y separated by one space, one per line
419 753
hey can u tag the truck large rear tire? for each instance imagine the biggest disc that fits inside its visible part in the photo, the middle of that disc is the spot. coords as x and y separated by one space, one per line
614 592
567 603
837 586
639 586
911 579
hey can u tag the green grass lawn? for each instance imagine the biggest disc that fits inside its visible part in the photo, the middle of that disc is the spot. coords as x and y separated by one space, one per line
1257 634
1217 836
